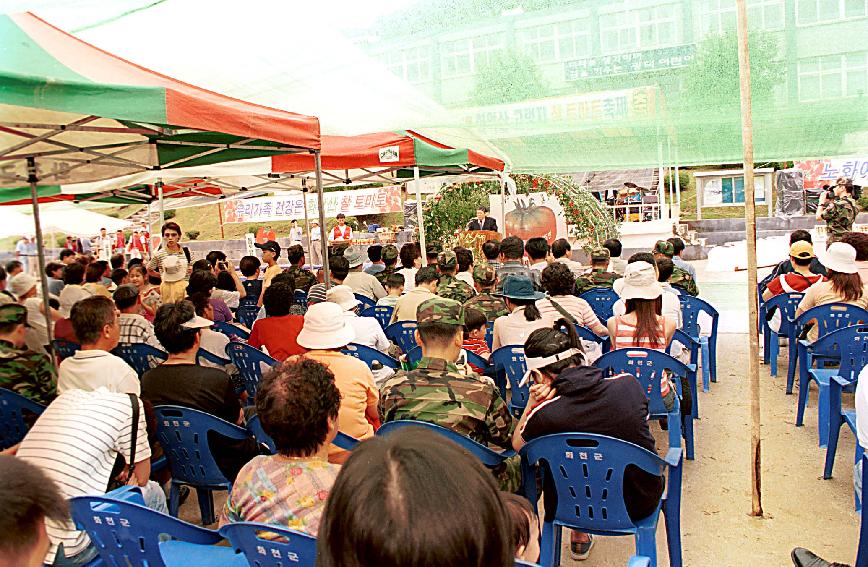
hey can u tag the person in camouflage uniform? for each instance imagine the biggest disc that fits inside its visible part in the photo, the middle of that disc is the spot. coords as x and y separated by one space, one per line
485 276
390 259
839 213
451 287
598 275
301 279
23 371
437 392
680 277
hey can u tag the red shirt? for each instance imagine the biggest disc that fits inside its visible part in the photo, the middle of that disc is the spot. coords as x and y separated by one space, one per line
793 282
476 346
342 232
278 334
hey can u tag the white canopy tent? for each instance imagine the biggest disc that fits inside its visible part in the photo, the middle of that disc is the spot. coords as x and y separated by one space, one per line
61 218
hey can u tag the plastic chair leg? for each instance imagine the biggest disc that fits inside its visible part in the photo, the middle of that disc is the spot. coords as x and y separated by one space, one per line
767 343
174 499
793 347
706 373
773 351
804 387
823 414
672 515
548 547
694 391
646 543
206 505
835 422
712 350
687 425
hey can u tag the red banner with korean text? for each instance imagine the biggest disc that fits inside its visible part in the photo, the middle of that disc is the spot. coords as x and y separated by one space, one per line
356 202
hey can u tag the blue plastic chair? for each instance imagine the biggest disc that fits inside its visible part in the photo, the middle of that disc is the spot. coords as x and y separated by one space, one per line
415 355
691 307
489 334
850 346
829 317
365 301
403 334
588 475
693 347
488 457
601 300
838 417
182 554
248 360
183 434
508 364
209 356
382 313
64 348
785 304
129 533
140 356
368 355
254 426
639 561
646 365
589 335
231 330
289 548
246 314
13 425
300 297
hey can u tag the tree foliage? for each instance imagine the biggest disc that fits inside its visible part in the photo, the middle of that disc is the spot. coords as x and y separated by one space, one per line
509 76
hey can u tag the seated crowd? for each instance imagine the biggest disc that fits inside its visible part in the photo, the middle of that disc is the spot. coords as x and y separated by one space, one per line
316 390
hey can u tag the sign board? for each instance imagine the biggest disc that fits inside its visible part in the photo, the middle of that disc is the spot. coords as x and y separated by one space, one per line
819 172
530 216
372 201
390 154
249 241
623 63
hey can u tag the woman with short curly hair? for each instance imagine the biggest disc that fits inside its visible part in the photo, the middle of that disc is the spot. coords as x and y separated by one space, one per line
558 281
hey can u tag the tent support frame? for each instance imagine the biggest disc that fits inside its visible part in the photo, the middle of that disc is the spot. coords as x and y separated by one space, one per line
317 160
40 246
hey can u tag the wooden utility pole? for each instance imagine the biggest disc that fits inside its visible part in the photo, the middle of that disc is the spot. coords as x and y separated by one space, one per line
750 235
220 218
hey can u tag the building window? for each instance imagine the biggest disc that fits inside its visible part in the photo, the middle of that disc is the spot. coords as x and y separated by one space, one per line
574 39
485 48
640 29
833 76
563 41
539 43
456 58
822 11
730 191
718 16
412 65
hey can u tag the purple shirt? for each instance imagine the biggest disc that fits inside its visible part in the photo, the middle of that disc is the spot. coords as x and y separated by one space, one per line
222 313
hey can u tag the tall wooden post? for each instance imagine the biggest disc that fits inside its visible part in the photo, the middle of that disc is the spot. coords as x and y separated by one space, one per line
750 235
220 215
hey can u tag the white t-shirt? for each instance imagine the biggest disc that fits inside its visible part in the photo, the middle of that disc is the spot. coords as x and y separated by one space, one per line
75 442
69 296
93 369
862 407
215 343
36 336
231 298
368 331
409 278
466 277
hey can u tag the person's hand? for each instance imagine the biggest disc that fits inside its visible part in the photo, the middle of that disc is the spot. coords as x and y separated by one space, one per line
539 393
823 198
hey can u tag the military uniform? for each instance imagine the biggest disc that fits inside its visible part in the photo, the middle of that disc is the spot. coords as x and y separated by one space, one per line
840 217
25 372
390 256
301 279
437 392
596 277
493 307
680 276
451 287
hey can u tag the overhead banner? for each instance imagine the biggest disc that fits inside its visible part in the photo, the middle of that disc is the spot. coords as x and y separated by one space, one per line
819 172
356 202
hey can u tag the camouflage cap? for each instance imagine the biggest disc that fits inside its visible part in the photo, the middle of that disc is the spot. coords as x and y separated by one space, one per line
664 247
390 252
440 310
484 274
447 260
433 248
600 254
13 313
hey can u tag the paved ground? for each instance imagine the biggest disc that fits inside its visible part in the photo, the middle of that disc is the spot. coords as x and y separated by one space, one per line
800 507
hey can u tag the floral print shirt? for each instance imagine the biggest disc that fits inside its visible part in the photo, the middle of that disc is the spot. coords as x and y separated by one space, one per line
283 491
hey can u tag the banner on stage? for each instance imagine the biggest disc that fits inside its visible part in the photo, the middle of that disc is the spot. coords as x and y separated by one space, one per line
355 202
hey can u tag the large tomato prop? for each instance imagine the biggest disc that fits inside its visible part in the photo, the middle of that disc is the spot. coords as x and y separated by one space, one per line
531 221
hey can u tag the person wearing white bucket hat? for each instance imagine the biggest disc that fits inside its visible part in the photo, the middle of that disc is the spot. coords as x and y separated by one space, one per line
326 331
844 284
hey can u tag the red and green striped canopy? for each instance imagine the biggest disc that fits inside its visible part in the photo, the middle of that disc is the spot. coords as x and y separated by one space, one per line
86 115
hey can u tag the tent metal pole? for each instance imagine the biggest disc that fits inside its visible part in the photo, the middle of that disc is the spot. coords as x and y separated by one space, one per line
162 203
750 235
419 219
677 182
306 218
317 159
503 204
40 246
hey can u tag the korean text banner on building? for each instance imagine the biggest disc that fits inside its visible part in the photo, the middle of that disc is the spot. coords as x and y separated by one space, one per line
355 202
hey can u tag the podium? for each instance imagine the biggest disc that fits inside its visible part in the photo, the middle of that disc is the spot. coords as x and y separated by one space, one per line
474 239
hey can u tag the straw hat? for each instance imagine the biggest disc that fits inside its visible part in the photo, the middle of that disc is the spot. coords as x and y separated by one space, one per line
343 296
325 327
639 282
840 257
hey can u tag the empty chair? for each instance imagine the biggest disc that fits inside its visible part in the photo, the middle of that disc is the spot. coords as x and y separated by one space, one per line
369 355
140 356
784 305
17 413
838 417
64 348
403 334
382 313
249 360
231 330
183 434
508 364
588 477
692 346
366 302
691 308
601 300
282 547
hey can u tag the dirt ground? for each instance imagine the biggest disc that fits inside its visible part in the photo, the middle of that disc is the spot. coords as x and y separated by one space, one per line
801 509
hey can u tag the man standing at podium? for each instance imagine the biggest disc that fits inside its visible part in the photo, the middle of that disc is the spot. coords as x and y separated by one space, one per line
482 221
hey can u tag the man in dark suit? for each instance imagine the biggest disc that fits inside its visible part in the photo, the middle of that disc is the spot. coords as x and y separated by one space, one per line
482 222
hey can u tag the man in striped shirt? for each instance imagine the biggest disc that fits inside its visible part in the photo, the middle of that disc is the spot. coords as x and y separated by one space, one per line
75 441
801 257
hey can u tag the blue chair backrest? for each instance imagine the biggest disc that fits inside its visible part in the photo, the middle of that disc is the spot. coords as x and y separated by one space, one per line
368 355
831 317
246 315
209 356
849 345
786 304
300 297
488 457
64 348
365 301
382 313
403 334
140 356
588 474
183 434
489 334
254 426
589 335
601 300
230 330
248 359
476 360
125 533
414 355
691 307
508 361
646 365
13 425
288 548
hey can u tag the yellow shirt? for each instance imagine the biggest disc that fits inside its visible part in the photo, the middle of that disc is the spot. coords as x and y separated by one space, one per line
270 272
